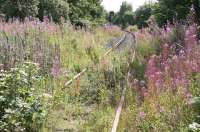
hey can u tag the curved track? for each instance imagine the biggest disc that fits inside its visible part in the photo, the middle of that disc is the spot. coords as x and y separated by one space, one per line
124 42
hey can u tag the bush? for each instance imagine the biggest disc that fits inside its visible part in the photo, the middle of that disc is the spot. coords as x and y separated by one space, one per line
20 109
142 14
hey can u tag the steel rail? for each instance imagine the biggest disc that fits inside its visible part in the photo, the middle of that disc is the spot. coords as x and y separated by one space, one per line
119 108
85 69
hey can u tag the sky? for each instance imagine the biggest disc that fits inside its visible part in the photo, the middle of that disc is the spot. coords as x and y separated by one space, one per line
114 5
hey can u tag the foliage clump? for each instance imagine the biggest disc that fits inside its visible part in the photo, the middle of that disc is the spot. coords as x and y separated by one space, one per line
19 8
21 110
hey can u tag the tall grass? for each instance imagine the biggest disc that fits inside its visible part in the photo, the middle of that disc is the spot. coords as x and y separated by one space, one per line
161 78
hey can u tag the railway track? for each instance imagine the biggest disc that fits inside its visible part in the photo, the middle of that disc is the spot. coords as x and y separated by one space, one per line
77 76
117 45
124 41
120 105
119 109
116 120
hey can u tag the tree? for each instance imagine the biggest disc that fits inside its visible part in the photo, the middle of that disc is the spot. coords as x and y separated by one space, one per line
125 16
86 10
53 8
74 10
19 8
111 16
196 4
168 10
142 14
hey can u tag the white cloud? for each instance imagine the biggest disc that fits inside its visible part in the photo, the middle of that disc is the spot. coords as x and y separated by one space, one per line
114 5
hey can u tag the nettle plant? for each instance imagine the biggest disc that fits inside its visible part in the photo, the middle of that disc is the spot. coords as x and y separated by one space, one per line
20 109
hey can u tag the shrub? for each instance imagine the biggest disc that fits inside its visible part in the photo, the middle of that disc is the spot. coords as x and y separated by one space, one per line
20 109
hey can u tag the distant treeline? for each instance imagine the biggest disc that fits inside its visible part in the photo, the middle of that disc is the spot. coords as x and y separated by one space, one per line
163 11
72 10
92 11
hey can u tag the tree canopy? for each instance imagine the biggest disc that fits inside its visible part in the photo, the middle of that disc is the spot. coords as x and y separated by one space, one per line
19 8
69 9
91 10
142 14
86 10
168 10
53 8
125 16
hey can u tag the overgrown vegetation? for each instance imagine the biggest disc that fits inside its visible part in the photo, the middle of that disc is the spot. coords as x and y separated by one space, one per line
160 68
162 99
33 96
